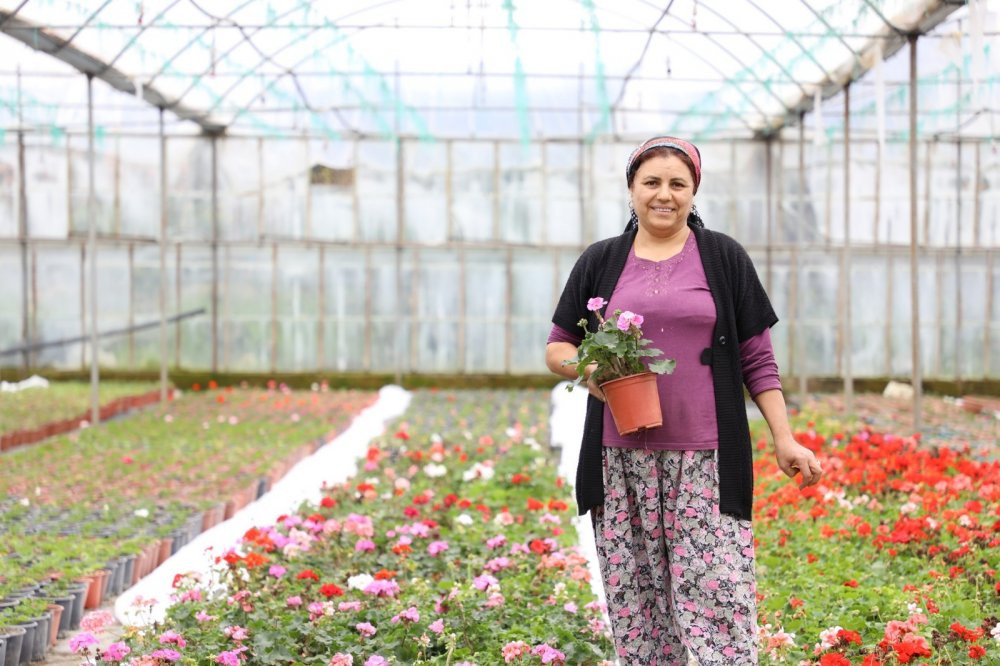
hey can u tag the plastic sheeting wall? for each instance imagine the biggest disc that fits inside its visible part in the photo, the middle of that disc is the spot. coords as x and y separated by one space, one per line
325 275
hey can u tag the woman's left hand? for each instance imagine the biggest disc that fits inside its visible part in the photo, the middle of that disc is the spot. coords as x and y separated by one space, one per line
794 458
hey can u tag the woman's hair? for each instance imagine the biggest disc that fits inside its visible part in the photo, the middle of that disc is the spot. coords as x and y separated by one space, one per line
694 218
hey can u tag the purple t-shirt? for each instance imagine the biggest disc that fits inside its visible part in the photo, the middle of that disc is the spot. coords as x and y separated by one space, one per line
679 317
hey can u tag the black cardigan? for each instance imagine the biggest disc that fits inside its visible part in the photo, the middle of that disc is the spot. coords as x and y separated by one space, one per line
742 311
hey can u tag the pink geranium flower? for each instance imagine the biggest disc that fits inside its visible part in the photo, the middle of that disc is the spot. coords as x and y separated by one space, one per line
366 629
82 641
115 652
437 547
596 303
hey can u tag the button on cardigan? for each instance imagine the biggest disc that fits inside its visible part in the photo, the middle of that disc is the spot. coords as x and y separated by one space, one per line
742 311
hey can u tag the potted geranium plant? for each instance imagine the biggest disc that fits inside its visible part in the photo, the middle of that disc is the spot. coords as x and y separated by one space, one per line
629 385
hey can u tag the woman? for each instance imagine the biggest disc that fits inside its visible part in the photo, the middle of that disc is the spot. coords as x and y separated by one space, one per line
671 506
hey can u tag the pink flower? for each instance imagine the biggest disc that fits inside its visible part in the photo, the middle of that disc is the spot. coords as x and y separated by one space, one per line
364 545
382 588
237 633
483 582
202 616
628 318
437 626
293 602
437 547
376 660
277 570
349 606
498 563
115 652
341 659
96 622
82 641
229 658
513 650
496 599
596 303
569 607
171 636
169 655
497 541
549 654
410 615
366 629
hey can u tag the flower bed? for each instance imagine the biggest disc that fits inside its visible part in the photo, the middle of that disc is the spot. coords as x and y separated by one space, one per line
452 546
112 502
893 558
35 414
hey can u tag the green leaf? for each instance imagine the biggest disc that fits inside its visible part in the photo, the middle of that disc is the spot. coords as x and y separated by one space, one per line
663 366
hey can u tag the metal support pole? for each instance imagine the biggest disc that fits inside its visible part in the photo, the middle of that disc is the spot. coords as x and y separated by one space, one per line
95 407
22 228
215 254
914 295
768 211
163 261
400 301
845 269
957 341
799 340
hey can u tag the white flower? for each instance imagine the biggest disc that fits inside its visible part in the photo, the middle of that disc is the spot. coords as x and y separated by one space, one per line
142 513
402 484
372 480
995 632
464 519
478 471
25 501
433 470
828 638
359 582
909 507
436 439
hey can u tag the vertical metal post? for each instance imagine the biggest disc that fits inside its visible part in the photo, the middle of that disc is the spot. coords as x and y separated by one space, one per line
768 210
178 331
957 342
163 261
22 227
274 308
914 295
845 270
799 242
878 192
401 310
215 253
131 305
321 311
95 408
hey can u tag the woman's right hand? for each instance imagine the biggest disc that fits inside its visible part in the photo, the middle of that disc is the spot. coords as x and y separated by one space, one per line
592 386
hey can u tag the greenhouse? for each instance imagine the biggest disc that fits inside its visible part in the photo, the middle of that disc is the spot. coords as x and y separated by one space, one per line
302 259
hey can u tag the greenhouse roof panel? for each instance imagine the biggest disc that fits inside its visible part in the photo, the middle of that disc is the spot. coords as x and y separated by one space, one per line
394 67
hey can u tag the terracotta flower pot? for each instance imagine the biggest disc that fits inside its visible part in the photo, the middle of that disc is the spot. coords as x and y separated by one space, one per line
634 402
57 612
93 592
165 544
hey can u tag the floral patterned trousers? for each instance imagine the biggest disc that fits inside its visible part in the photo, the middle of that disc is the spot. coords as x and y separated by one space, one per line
678 574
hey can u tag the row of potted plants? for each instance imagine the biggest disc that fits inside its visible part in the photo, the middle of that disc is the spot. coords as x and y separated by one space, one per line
106 505
452 545
36 414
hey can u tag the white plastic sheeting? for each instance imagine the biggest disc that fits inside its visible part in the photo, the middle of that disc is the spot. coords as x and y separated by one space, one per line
333 463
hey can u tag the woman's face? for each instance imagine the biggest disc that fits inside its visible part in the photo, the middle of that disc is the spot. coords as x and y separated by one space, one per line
662 192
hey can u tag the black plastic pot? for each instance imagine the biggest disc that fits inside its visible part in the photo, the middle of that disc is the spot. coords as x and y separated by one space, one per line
42 634
79 597
13 638
66 619
28 642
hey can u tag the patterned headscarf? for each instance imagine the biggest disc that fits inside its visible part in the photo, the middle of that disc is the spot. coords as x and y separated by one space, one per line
685 147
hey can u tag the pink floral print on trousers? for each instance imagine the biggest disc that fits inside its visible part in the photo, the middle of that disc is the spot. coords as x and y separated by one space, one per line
678 574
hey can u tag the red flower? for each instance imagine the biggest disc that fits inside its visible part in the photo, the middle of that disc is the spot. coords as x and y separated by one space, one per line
411 512
911 647
384 574
308 574
834 659
850 583
871 660
977 651
212 384
539 546
328 502
795 602
535 505
965 633
558 505
402 434
847 636
254 559
330 590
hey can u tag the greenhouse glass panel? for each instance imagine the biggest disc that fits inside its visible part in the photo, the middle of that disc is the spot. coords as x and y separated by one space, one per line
473 187
57 311
486 293
47 189
8 188
247 308
345 287
241 189
11 301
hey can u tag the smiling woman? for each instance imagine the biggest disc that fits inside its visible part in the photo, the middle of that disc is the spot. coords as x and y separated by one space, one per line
683 583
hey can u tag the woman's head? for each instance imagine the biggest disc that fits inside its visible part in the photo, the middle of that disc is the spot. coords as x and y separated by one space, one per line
663 175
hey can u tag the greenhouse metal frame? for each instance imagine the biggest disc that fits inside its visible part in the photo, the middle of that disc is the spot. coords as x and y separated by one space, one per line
338 198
